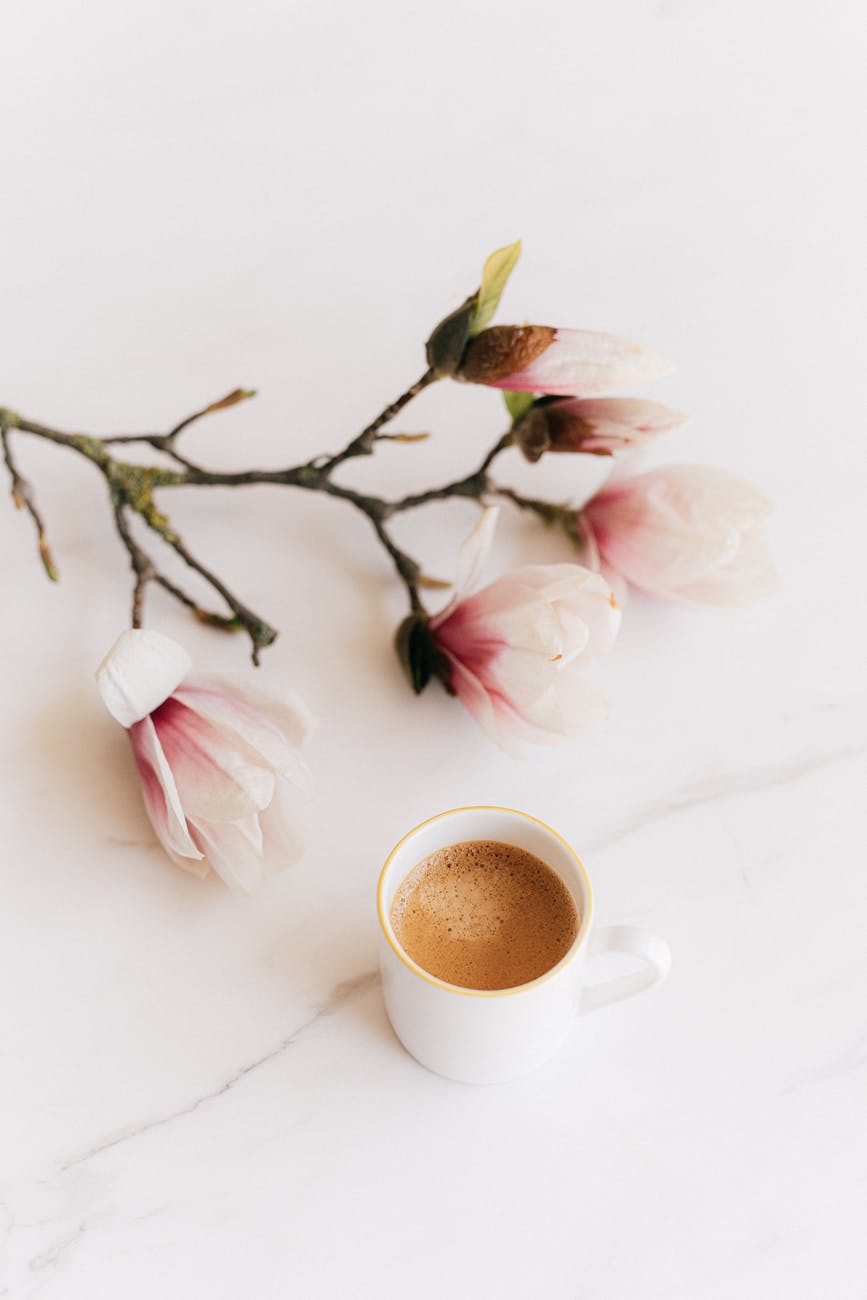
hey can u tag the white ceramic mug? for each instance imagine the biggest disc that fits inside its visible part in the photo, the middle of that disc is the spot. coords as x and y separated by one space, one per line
490 1036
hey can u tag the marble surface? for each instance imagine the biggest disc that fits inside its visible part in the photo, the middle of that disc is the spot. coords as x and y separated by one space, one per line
201 1096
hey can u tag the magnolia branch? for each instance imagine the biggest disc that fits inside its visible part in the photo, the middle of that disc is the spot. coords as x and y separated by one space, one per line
22 495
132 490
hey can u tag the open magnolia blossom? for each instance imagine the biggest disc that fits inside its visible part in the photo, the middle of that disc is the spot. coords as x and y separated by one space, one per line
689 533
216 758
514 653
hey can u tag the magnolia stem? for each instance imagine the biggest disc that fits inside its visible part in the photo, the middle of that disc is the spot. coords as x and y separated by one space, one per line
22 495
142 565
132 489
146 571
548 511
363 444
261 634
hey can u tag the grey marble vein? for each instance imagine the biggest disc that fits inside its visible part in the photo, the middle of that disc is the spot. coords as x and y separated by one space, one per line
47 1259
727 786
852 1058
335 1000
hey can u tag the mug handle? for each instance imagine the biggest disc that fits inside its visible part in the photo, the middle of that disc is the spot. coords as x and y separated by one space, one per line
654 953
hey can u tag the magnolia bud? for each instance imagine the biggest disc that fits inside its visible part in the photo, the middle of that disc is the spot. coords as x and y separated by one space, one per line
503 350
548 427
597 426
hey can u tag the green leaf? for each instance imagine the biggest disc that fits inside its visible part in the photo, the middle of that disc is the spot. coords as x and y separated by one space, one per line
497 270
518 404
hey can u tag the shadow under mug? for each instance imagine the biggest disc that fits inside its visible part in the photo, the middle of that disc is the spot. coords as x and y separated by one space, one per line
491 1036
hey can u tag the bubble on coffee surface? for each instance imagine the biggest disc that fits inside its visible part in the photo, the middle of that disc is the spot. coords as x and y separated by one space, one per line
484 915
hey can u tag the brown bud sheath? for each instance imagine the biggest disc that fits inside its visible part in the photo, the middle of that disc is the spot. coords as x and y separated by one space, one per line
503 350
555 426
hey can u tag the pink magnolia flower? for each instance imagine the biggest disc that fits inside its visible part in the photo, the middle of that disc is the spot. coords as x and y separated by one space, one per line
516 649
690 533
215 757
598 426
563 362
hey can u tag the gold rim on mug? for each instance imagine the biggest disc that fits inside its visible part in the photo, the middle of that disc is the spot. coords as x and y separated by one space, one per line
457 988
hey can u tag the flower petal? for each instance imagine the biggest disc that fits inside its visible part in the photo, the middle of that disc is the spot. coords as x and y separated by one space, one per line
671 527
286 710
283 843
229 852
752 575
618 422
221 703
471 560
581 362
139 672
161 797
215 779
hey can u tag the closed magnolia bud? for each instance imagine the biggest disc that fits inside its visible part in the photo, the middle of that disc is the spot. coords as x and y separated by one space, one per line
560 362
688 533
503 351
596 426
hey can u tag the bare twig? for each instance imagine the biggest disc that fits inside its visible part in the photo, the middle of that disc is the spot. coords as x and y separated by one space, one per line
132 488
142 565
363 444
548 511
164 441
146 571
261 634
22 495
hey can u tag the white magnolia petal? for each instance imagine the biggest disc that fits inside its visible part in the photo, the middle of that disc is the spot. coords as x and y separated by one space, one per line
230 853
215 779
596 608
528 684
615 422
162 801
473 554
527 624
477 702
285 710
139 672
586 362
219 703
619 587
283 843
752 575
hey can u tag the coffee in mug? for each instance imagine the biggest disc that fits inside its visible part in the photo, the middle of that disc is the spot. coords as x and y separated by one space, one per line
482 914
481 1034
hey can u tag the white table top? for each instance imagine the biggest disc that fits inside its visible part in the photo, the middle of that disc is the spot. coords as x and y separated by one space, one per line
200 1095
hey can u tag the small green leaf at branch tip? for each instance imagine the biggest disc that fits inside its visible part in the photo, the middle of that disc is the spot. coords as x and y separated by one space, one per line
495 275
434 584
48 562
517 404
404 437
231 399
226 622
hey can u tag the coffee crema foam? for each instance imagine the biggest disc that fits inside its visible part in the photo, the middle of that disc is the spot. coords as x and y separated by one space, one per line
484 915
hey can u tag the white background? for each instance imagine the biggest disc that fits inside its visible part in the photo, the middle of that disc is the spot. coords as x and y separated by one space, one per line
201 1096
